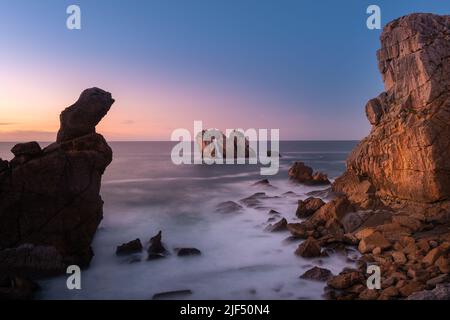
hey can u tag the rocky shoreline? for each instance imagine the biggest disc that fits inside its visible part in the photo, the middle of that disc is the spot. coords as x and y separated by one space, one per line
393 200
391 204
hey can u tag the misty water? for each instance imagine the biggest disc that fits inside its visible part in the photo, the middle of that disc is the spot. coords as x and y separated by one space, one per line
144 193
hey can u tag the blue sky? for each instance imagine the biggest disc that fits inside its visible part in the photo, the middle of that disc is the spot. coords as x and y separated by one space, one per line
306 67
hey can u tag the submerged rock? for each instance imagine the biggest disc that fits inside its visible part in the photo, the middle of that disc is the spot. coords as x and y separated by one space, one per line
182 252
229 207
304 174
279 226
171 294
134 246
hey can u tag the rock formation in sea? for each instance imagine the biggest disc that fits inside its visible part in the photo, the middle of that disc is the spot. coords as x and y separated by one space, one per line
393 201
50 203
404 160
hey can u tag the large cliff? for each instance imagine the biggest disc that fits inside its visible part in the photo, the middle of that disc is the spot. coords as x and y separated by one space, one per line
404 160
50 204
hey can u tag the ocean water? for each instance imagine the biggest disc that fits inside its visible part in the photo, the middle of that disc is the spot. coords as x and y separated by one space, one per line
144 192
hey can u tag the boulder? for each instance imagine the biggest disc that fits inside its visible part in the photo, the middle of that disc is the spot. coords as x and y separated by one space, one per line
403 163
346 279
373 241
156 249
50 204
310 248
318 274
301 173
279 226
134 246
307 207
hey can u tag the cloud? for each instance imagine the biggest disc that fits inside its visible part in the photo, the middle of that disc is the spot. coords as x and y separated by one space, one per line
128 122
7 123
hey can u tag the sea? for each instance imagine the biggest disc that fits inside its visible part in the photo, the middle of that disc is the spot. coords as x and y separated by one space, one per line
144 193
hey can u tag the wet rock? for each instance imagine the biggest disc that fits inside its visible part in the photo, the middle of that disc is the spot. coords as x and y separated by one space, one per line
156 249
323 194
183 252
317 273
263 183
279 226
303 174
309 248
134 246
307 207
255 200
171 294
229 207
298 230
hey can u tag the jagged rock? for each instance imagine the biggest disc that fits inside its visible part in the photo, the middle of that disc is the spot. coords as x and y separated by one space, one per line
134 246
228 207
303 174
318 274
404 160
279 226
307 207
335 209
156 249
81 118
50 198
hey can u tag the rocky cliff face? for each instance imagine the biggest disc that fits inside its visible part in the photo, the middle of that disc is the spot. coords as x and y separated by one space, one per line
404 160
50 204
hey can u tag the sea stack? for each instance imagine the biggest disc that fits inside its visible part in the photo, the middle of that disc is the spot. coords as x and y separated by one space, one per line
50 204
403 163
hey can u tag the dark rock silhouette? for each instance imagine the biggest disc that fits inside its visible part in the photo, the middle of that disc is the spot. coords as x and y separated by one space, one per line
50 204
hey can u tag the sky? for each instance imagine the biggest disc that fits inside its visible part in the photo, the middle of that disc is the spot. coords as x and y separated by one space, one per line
306 67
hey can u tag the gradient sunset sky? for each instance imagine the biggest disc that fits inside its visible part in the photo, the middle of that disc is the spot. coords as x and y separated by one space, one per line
306 67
